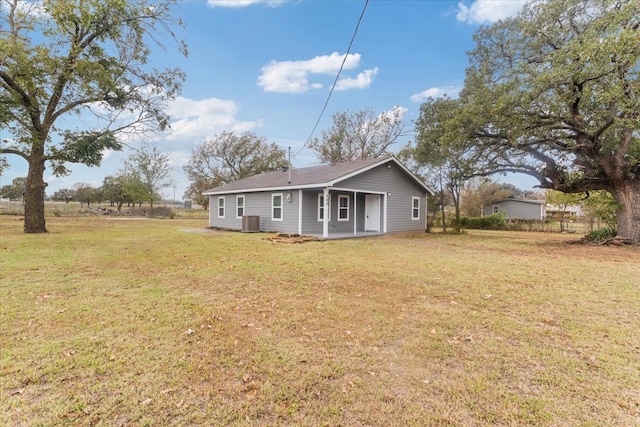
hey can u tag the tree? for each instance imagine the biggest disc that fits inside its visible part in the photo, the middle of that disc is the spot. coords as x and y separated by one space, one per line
65 194
359 135
229 157
15 190
437 148
116 190
554 93
84 58
149 172
563 201
600 206
85 193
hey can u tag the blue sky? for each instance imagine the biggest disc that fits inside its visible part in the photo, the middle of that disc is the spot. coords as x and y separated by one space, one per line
267 66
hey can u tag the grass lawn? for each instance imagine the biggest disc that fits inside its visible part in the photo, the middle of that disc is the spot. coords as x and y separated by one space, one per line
129 323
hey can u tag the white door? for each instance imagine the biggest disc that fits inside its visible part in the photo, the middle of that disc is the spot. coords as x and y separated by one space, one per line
371 212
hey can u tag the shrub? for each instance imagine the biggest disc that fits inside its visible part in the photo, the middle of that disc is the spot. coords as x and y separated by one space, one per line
491 222
162 212
601 234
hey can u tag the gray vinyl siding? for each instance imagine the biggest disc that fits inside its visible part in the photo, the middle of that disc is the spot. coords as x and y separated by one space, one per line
516 209
256 204
310 223
402 188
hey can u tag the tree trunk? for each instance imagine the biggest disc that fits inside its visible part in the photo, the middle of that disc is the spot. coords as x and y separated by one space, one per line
628 214
34 196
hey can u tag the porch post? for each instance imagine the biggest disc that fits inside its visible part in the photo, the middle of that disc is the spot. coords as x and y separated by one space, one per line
325 218
355 213
384 213
300 211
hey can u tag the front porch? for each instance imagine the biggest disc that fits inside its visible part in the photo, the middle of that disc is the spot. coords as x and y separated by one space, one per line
342 213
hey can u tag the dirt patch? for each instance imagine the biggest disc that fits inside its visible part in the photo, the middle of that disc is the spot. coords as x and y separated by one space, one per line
292 238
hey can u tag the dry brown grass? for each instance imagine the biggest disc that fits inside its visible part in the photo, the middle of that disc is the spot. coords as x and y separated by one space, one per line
145 323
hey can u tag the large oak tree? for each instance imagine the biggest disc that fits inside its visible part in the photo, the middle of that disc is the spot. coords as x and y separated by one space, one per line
554 93
87 58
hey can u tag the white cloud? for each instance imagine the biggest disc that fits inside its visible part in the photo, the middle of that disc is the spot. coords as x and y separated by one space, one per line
488 11
293 76
361 81
397 113
243 3
436 92
195 120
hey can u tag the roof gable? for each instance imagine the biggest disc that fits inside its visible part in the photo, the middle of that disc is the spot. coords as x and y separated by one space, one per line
309 177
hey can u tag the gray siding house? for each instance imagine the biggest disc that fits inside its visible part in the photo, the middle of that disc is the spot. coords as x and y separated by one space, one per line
516 209
364 197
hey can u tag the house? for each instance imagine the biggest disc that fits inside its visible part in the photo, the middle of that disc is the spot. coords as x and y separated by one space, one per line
564 213
516 209
359 198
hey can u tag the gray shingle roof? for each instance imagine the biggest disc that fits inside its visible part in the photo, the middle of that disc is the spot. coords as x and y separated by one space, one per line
303 177
512 199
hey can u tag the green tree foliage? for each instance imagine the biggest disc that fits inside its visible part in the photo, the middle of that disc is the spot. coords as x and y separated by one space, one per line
554 93
148 172
87 58
116 189
85 193
600 206
562 201
442 151
359 135
15 190
228 157
64 194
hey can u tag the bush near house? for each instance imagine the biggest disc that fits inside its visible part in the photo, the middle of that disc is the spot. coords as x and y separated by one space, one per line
491 222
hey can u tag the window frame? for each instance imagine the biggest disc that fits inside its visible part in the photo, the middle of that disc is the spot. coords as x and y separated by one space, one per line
222 208
496 209
341 208
238 207
321 207
274 207
415 210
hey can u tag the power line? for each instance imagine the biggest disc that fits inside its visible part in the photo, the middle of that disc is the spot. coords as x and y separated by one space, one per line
366 3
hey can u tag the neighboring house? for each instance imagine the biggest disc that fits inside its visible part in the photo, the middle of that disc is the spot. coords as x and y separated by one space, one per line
363 197
567 213
516 209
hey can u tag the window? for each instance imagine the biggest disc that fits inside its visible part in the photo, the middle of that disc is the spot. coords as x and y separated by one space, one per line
239 206
496 209
276 207
321 207
415 208
221 207
343 207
